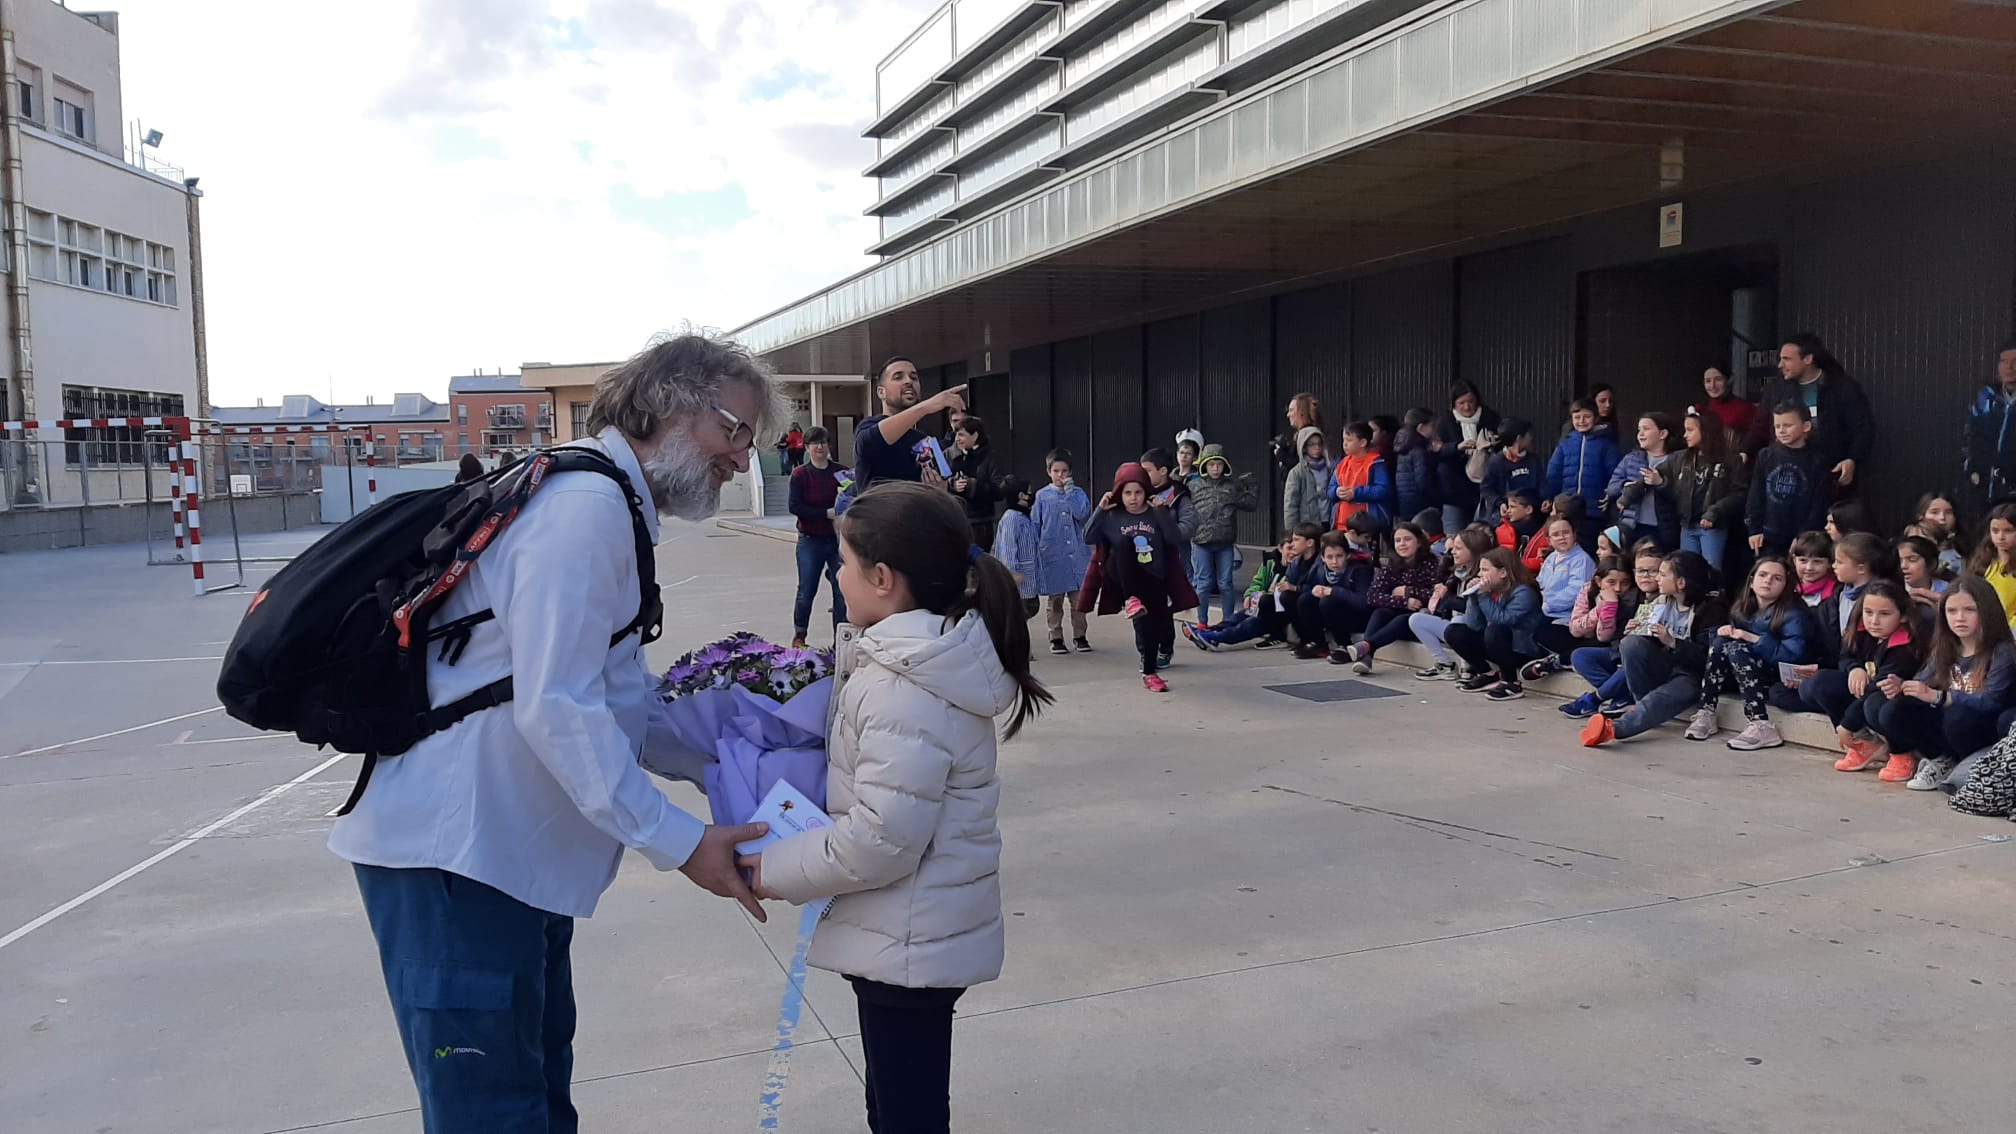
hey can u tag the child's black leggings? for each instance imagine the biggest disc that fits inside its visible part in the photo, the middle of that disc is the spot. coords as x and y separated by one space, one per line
1154 630
1731 665
906 1037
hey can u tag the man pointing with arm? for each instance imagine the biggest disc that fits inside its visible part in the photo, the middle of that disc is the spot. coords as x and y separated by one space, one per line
887 446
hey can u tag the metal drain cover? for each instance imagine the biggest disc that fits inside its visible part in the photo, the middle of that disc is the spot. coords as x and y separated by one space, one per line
1326 691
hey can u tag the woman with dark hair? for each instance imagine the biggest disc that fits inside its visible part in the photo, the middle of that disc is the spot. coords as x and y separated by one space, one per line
974 480
1459 435
469 468
1736 414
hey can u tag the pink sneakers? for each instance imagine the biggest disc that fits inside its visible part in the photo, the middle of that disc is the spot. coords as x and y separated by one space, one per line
1154 683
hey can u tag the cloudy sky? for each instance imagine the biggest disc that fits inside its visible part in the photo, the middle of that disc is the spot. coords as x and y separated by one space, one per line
396 190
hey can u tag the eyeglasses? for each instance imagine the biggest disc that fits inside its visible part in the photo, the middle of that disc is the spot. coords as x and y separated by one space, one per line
741 434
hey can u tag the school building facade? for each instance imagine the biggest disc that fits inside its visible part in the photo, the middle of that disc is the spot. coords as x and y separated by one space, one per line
1204 208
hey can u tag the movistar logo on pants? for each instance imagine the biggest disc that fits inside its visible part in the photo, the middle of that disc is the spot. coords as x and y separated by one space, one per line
445 1052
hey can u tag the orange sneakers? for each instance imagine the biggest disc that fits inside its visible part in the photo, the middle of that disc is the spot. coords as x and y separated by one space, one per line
1599 731
1902 766
1861 753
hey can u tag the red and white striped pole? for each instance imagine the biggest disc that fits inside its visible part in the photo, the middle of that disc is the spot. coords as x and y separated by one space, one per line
191 501
370 474
175 493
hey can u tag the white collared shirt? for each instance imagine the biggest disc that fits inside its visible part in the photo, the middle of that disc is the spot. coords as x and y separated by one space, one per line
537 797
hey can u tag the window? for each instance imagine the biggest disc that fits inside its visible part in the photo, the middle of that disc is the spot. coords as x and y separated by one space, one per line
41 246
499 439
461 413
29 100
72 120
67 250
578 411
124 445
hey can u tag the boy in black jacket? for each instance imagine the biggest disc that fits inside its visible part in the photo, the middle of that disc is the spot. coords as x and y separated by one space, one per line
1336 596
1789 493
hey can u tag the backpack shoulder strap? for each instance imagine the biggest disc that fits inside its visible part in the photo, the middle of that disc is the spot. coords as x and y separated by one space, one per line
650 606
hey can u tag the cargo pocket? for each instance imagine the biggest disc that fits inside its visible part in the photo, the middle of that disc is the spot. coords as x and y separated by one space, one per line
458 1022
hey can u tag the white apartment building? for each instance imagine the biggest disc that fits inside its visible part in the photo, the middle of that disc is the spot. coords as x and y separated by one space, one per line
102 254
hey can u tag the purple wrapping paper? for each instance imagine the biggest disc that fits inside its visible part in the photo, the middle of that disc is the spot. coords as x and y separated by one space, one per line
754 742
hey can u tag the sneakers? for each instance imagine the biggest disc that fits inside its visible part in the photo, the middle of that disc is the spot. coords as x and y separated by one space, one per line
1932 771
1902 767
1154 683
1540 667
1703 725
1081 645
1165 658
1440 671
1362 667
1270 642
1199 637
1133 609
1310 651
1581 708
1507 691
1342 656
1057 646
1616 707
1598 732
1760 734
1478 683
1862 752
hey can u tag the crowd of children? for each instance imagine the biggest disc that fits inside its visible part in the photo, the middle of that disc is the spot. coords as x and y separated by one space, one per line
1695 564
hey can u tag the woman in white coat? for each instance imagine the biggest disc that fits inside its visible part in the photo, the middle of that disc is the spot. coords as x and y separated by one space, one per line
913 854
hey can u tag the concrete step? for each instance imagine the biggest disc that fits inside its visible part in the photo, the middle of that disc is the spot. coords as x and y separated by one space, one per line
1810 730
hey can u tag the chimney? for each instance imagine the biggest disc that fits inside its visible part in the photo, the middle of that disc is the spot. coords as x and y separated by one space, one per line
259 403
370 399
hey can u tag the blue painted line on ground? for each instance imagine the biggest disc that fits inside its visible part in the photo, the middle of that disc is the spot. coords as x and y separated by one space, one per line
772 1098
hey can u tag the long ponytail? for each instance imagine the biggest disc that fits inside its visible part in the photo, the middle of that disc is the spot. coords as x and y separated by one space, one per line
998 601
923 534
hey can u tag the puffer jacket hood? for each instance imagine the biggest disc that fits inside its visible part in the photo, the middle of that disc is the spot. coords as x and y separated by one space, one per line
957 665
1214 453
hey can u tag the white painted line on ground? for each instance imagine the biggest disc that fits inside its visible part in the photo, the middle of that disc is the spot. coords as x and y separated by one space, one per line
265 797
680 583
116 732
183 741
109 661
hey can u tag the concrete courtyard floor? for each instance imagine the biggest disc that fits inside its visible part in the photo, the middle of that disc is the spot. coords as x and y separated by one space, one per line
1229 910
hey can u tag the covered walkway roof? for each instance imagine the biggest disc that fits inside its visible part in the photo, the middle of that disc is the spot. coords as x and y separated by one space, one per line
1470 119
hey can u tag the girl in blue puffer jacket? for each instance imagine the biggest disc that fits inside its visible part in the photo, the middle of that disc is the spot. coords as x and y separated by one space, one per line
1641 489
1769 626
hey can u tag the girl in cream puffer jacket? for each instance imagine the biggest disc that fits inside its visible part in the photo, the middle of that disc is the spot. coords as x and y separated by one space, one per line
910 782
913 856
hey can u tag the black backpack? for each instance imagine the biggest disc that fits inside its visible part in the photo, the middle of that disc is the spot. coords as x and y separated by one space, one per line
334 647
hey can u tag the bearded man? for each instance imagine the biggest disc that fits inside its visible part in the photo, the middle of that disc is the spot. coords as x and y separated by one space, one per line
477 849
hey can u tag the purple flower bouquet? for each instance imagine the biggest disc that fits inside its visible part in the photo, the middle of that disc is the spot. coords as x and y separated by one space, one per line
760 711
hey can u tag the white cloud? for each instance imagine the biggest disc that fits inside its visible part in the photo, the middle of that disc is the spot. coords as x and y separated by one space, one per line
397 192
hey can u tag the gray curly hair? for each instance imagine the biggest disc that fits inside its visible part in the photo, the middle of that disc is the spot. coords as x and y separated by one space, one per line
679 377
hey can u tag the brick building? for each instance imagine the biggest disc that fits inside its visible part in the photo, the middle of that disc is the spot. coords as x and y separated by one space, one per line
489 413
